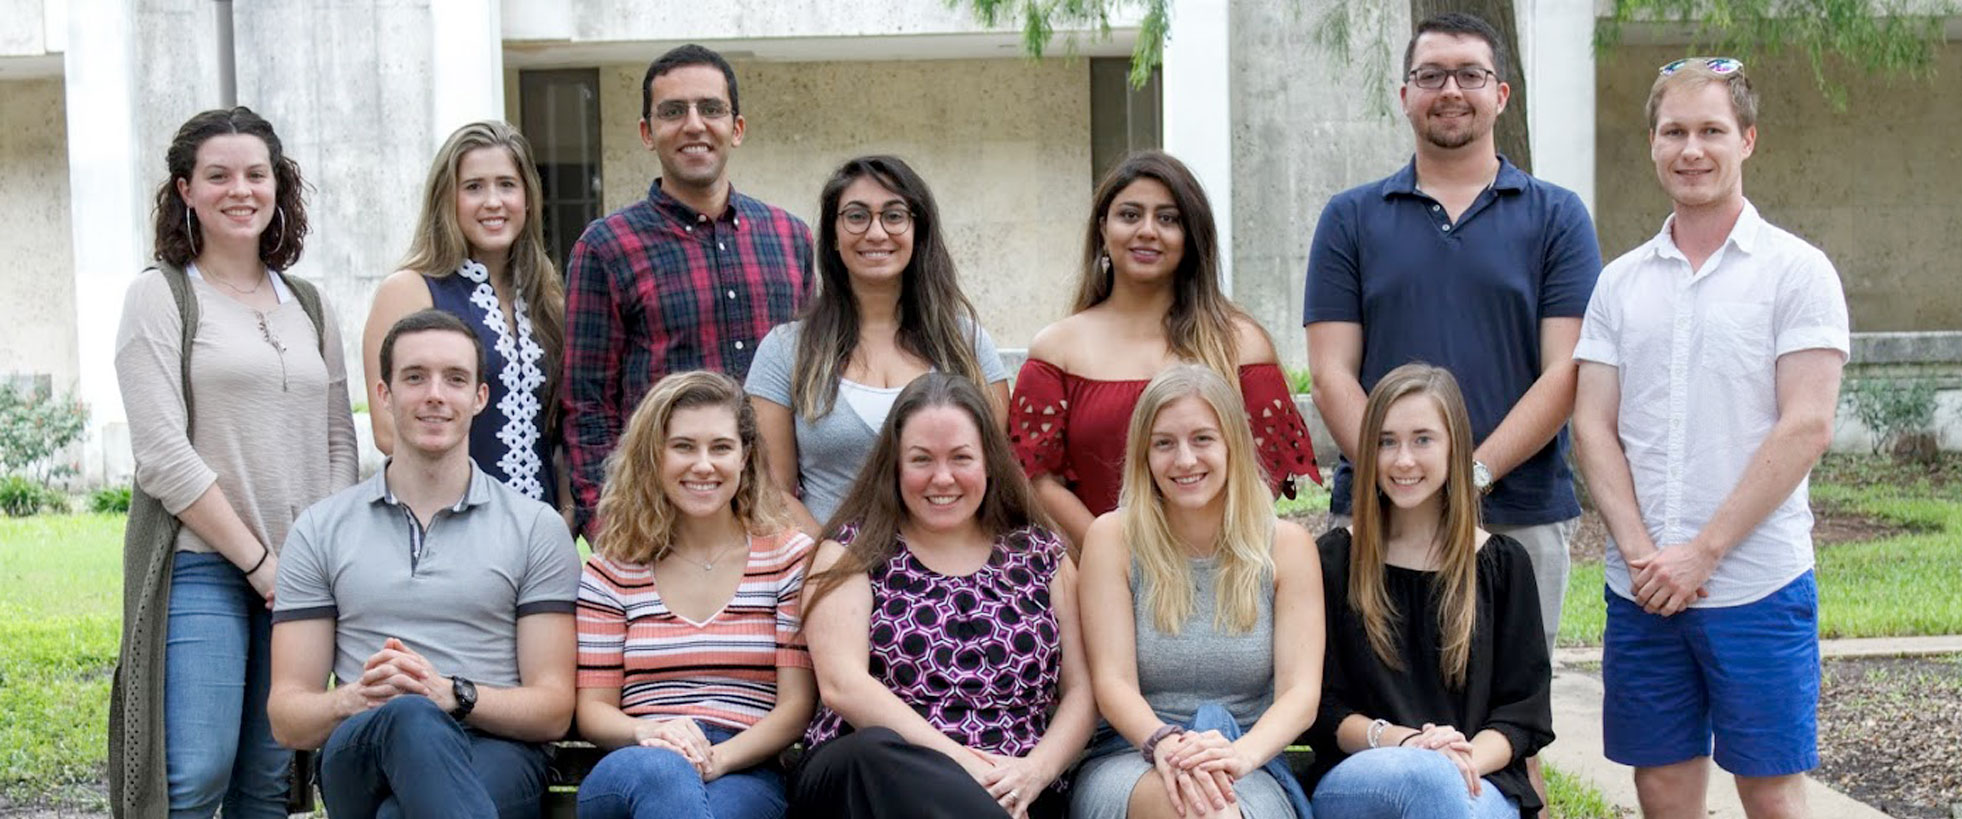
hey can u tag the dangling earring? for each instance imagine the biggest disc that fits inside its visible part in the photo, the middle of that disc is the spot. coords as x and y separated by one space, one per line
1103 264
191 228
279 218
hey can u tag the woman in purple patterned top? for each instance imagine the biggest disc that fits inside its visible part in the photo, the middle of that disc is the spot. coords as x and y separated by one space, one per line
942 623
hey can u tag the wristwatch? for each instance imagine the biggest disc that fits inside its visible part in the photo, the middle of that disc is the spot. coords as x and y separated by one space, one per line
466 698
1481 477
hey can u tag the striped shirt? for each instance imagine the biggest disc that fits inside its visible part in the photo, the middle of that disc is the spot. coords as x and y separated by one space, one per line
722 671
656 288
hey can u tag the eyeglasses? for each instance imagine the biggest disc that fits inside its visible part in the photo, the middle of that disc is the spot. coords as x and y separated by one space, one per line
1431 78
1717 65
676 110
857 221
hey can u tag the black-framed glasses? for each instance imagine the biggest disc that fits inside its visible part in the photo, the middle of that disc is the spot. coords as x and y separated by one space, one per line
1721 66
857 221
1431 78
676 110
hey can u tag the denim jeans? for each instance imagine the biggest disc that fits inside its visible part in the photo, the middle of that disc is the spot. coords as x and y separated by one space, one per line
218 744
409 759
1407 783
655 783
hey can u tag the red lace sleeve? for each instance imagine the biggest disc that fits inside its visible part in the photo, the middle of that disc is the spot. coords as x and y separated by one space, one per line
1038 420
1280 434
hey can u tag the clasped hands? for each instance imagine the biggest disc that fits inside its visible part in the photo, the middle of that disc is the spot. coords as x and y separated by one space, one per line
682 736
1198 769
1453 744
1666 581
393 672
1013 781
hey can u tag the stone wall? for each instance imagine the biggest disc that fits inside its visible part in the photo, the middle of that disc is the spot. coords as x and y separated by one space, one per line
1874 185
1005 144
37 315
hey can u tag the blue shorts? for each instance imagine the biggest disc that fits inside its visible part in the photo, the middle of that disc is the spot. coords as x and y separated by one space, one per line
1746 675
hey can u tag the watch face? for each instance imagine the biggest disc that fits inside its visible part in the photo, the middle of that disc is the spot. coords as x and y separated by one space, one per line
1481 476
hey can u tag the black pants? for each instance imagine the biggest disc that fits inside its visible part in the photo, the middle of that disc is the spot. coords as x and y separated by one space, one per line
875 774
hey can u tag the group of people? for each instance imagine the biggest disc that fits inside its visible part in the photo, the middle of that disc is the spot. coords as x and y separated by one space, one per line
819 517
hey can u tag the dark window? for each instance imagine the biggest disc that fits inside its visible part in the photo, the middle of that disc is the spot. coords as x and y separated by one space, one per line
1122 119
561 119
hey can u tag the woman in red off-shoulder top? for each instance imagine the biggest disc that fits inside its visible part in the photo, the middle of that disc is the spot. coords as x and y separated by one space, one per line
1149 296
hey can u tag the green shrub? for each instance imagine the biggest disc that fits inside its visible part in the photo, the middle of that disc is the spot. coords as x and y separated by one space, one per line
34 425
1892 409
21 496
114 500
1300 380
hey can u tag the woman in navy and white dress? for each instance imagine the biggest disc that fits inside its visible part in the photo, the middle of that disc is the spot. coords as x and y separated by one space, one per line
479 254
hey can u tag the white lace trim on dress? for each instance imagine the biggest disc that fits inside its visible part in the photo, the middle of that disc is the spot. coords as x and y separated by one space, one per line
521 378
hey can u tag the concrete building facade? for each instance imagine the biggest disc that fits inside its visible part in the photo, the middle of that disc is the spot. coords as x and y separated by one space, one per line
1272 121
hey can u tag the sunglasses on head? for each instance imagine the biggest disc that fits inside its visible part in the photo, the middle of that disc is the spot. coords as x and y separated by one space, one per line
1717 65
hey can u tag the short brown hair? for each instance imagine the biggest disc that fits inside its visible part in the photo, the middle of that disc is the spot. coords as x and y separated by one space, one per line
1694 74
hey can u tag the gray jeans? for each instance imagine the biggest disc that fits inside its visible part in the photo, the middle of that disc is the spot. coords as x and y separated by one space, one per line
1546 546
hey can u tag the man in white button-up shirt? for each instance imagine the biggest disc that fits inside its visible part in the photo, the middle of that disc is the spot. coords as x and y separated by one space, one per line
1710 368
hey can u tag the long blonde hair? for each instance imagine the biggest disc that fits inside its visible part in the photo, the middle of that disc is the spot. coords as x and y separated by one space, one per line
439 247
1244 554
1455 583
1200 324
637 518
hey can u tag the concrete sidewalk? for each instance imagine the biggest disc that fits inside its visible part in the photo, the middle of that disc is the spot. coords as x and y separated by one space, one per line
1577 726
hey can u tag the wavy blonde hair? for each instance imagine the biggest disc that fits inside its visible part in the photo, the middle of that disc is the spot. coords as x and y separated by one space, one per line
637 518
1455 583
439 247
1245 548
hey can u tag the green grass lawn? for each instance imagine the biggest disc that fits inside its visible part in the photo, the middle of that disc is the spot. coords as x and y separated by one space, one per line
1571 797
60 606
1895 586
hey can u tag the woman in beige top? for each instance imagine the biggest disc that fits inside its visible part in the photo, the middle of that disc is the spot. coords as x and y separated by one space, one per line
264 433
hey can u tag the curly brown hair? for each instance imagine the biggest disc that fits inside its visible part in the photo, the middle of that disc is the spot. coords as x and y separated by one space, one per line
280 244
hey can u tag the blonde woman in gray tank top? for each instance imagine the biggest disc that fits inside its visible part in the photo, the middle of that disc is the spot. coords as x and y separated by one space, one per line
1202 615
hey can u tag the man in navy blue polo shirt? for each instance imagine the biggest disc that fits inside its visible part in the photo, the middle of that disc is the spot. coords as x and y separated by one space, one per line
1461 260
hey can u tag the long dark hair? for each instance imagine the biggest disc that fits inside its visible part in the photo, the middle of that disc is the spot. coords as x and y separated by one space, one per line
936 321
1200 325
874 506
280 244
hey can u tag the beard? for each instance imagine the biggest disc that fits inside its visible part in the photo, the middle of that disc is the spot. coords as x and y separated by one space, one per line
1447 136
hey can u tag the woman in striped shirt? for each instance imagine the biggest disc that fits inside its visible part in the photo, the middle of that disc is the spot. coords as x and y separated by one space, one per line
690 664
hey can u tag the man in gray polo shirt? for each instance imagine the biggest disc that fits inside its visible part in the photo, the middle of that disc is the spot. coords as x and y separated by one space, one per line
440 599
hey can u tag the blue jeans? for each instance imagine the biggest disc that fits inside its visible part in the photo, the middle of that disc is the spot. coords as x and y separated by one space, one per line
218 744
1407 783
409 759
1211 716
654 783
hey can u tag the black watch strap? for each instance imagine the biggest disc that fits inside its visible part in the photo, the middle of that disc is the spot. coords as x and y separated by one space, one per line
465 692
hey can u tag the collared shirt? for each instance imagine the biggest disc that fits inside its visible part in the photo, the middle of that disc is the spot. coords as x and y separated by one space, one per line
656 288
1696 354
1467 296
452 591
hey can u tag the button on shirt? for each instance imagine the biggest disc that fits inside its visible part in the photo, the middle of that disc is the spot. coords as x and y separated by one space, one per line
1696 353
655 288
1466 296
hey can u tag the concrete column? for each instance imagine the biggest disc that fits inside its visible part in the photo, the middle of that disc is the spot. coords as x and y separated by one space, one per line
1557 38
133 72
1198 94
351 88
466 66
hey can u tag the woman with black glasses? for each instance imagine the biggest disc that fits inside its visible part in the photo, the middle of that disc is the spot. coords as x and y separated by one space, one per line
890 309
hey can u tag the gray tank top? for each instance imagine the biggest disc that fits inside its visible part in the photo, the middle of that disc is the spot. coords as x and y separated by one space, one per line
1200 664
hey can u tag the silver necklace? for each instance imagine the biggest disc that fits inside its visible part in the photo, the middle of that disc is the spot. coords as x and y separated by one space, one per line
709 565
239 290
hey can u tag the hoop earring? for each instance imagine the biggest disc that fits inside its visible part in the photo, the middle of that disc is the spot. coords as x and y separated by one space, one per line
279 217
191 228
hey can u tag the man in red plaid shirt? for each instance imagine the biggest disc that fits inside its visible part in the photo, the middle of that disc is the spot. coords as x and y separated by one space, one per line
690 278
